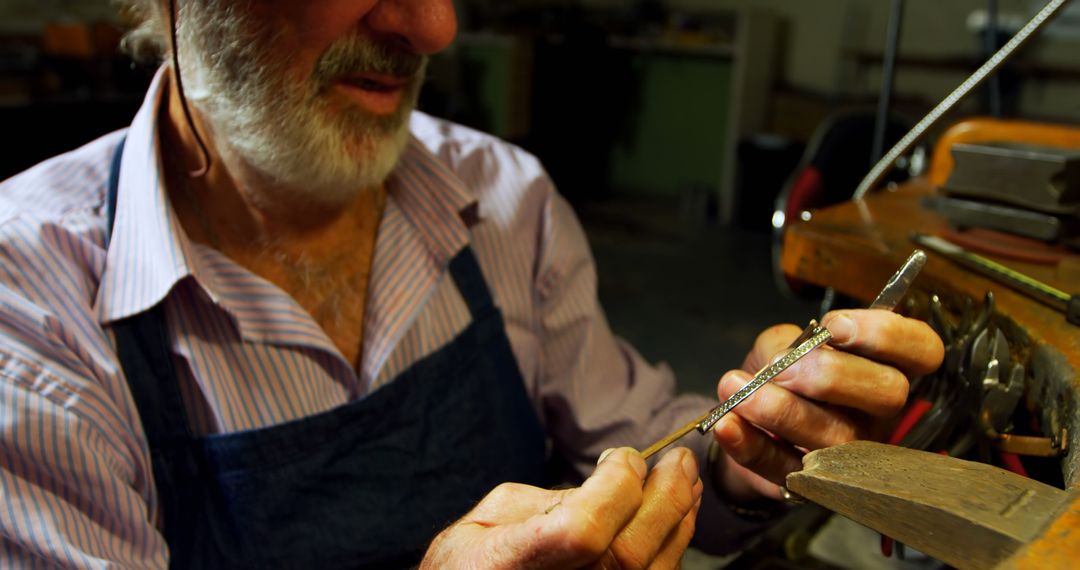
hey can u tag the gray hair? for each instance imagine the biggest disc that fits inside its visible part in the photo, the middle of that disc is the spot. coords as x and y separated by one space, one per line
146 41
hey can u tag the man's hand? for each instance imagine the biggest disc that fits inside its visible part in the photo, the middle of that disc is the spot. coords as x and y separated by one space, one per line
835 394
618 518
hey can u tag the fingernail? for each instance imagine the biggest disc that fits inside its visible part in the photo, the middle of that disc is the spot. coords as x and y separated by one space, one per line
698 489
730 383
689 466
604 455
633 459
843 329
637 462
779 356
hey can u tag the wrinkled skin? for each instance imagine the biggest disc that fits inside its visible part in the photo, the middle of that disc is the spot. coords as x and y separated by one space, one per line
846 390
620 517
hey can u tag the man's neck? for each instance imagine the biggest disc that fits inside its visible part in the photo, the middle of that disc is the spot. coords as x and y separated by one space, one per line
235 209
320 257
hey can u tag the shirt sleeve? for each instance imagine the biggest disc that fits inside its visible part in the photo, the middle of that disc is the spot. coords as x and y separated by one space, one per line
598 392
72 497
76 482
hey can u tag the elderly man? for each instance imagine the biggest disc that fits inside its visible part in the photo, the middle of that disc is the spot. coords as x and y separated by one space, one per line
284 320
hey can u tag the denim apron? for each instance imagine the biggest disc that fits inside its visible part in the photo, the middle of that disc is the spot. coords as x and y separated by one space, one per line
367 484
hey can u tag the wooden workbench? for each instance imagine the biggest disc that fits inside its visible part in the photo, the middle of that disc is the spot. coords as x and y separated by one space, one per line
853 247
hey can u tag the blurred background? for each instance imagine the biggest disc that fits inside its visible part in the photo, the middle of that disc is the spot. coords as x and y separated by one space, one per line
672 126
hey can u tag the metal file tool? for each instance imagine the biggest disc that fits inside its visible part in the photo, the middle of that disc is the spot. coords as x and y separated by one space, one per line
813 336
1056 298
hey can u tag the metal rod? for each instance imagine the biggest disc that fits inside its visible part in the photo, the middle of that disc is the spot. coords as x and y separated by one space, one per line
1032 287
673 437
819 336
812 337
888 74
883 166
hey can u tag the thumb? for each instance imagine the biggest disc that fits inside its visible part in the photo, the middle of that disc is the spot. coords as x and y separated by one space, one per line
581 527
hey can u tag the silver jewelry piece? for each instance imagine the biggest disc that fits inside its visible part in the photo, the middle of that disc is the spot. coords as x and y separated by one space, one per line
813 337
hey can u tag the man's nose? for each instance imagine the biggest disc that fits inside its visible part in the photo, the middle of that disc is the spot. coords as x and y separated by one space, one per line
422 26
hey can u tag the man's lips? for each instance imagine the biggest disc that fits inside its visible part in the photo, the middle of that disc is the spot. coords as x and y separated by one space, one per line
379 93
376 81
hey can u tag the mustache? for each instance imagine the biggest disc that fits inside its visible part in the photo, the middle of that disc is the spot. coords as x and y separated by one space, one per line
356 54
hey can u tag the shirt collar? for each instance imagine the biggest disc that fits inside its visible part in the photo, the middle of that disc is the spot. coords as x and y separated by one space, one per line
148 252
433 199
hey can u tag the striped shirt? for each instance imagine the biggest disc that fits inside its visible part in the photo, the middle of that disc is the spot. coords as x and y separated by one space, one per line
76 483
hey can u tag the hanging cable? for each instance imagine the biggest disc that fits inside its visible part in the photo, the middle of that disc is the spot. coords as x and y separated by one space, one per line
883 166
202 170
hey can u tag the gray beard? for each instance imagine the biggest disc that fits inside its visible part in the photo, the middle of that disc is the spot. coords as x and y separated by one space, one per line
284 129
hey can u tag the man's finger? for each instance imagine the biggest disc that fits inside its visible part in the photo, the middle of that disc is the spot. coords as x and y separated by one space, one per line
755 450
843 379
771 342
614 488
908 344
496 521
671 552
671 491
779 411
581 528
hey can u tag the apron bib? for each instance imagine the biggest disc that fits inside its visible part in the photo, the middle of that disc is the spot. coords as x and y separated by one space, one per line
367 484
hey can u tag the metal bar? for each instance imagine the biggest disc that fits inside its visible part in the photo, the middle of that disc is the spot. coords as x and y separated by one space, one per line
989 47
888 74
1027 285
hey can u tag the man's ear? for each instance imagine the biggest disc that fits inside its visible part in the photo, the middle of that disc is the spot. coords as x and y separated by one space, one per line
146 30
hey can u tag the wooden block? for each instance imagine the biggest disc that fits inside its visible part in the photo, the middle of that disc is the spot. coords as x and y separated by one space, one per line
1057 547
967 514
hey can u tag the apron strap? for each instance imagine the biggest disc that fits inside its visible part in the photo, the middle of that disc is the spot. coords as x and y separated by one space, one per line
114 184
468 277
143 349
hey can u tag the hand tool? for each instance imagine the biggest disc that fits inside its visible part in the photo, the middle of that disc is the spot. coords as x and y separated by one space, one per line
813 336
1068 304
